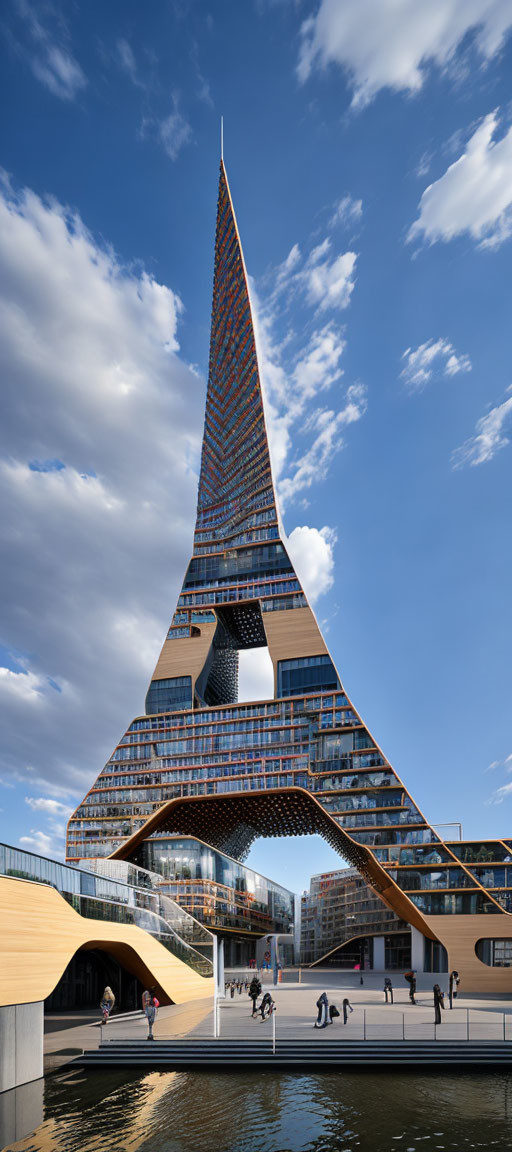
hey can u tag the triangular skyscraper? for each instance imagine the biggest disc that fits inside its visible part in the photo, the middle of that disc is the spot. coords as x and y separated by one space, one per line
200 763
240 579
236 495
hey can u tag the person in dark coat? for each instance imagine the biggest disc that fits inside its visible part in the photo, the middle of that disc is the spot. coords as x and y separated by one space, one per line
254 992
438 1003
266 1006
347 1007
323 1018
411 980
454 984
388 990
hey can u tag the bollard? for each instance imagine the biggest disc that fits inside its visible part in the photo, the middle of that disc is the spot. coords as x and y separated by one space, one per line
300 975
274 1031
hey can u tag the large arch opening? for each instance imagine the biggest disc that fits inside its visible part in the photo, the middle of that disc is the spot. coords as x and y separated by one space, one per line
232 822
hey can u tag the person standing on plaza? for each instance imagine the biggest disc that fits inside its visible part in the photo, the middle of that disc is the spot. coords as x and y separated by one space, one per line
254 992
347 1007
323 1018
454 985
149 1007
388 990
438 1003
411 980
107 1003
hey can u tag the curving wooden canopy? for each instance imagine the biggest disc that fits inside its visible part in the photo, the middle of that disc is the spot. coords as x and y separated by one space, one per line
232 822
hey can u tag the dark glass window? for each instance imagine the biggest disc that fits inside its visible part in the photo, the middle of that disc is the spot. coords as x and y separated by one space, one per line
495 953
307 674
169 695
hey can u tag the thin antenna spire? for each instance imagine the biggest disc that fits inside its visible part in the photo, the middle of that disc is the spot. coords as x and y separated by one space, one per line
222 138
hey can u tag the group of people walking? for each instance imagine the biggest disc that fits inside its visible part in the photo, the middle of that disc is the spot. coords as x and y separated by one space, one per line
150 1006
439 995
267 1006
326 1013
233 986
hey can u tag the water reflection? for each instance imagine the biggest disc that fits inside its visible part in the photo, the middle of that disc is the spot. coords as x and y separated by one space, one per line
262 1112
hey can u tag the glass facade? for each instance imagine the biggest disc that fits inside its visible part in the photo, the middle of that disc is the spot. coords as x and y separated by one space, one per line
117 892
217 890
241 591
167 695
339 912
309 674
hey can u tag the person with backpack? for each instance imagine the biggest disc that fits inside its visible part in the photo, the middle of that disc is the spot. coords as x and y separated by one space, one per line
254 992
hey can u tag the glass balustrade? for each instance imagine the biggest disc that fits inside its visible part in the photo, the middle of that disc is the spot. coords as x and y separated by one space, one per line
119 892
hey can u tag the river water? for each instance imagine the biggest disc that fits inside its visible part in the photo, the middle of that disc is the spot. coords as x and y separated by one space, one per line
359 1111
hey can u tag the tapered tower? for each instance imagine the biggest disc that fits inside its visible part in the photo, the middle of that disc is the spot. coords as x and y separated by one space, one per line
200 763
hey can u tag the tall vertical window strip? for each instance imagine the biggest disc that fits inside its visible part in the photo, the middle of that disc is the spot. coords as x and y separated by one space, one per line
307 674
169 695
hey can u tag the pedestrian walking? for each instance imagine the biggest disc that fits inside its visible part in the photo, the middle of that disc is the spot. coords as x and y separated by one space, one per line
388 990
453 987
333 1012
107 1003
323 1017
347 1007
438 1003
254 992
149 1007
232 990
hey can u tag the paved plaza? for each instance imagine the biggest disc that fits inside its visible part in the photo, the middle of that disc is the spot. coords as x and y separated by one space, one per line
471 1017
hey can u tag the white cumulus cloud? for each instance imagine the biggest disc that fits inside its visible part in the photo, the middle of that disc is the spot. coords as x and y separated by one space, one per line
99 446
474 195
328 427
434 357
297 368
329 283
393 43
489 437
312 554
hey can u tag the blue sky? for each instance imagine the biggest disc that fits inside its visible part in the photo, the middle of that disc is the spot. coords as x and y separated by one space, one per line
369 151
